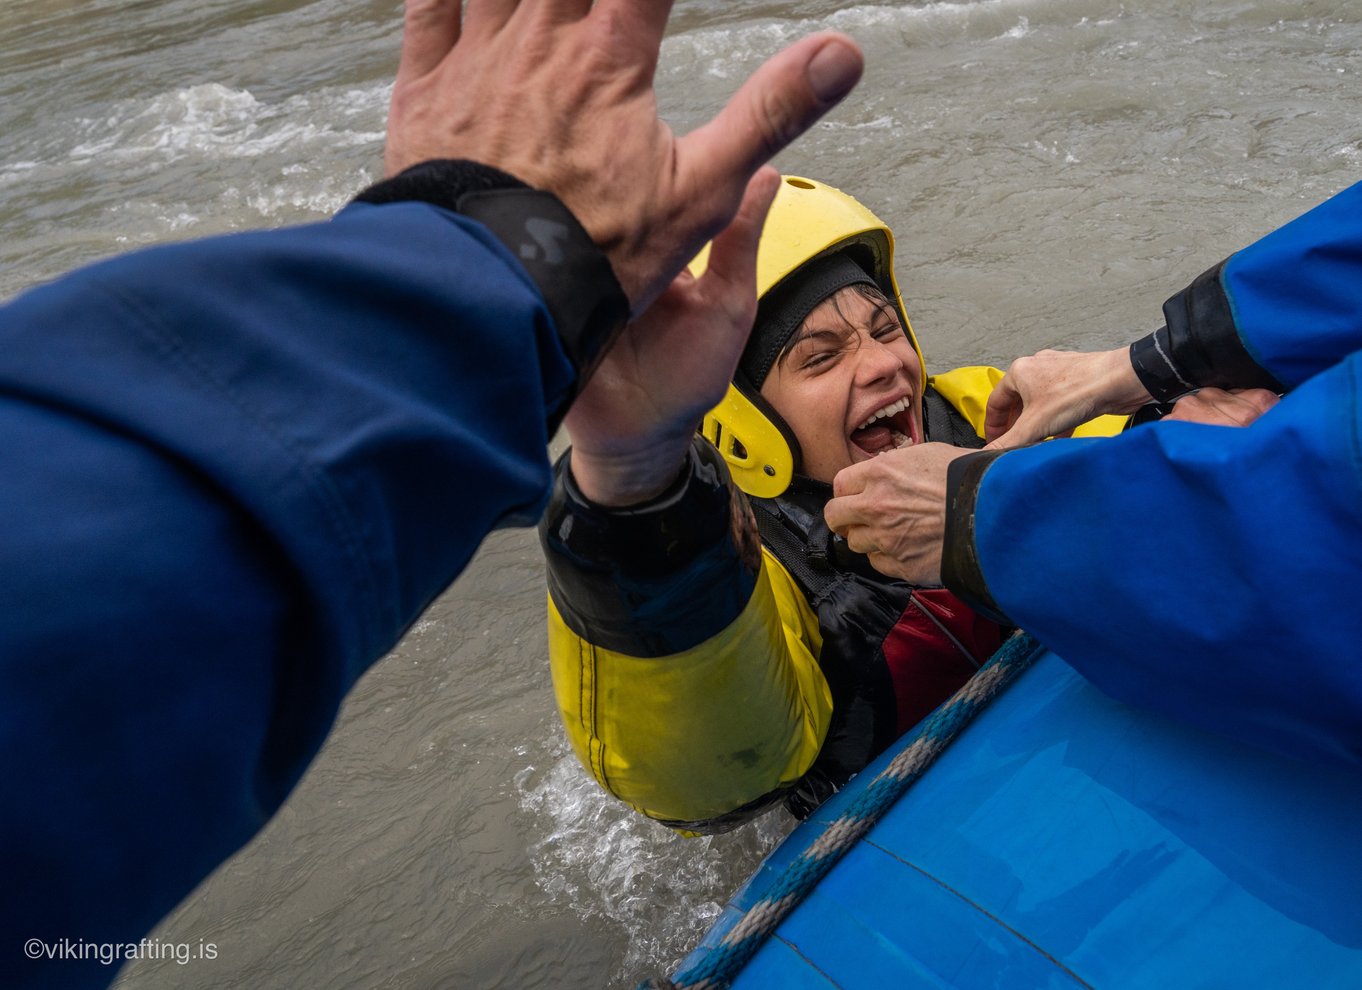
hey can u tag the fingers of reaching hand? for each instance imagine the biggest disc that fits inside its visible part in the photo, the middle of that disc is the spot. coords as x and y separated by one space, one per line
490 16
1020 430
579 75
1025 428
844 518
638 23
849 512
1260 399
485 17
856 537
849 481
781 100
430 29
1018 412
1268 401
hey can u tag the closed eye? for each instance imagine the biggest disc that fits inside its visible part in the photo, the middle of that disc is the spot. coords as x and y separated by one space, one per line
819 358
815 348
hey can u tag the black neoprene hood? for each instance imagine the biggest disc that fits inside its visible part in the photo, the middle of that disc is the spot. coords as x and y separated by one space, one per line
783 309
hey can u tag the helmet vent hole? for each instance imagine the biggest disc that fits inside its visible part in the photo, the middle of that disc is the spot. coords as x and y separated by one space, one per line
739 451
798 183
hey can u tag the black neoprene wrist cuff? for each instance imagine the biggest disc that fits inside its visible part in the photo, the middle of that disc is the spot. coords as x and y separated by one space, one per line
960 570
574 277
441 182
1151 357
658 578
1198 346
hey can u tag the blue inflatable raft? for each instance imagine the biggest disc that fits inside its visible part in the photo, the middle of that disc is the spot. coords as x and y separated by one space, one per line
1063 840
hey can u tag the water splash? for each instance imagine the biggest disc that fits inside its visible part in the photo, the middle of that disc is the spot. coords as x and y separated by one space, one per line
610 864
212 120
728 52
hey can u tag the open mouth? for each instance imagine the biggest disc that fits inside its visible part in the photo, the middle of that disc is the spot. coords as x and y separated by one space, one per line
887 429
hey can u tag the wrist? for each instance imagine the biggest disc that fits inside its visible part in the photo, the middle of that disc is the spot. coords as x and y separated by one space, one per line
1151 358
575 278
618 479
1121 389
655 579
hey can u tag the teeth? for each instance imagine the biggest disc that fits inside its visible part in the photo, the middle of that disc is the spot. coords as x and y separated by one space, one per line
900 440
890 410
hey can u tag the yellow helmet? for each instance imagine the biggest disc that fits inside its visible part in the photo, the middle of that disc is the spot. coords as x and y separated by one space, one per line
808 222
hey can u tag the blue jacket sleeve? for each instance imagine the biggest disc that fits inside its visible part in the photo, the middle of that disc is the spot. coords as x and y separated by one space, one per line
1204 572
235 471
1296 295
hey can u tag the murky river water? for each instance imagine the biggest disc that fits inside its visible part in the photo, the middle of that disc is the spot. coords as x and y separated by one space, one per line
1053 169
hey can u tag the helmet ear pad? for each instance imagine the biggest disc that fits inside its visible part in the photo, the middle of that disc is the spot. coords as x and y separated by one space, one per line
768 411
759 447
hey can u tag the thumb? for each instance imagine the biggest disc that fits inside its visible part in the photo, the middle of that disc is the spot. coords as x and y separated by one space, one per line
1004 408
1015 437
781 100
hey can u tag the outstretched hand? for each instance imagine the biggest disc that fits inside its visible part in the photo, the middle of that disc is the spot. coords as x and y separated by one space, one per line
559 93
892 508
633 422
1051 392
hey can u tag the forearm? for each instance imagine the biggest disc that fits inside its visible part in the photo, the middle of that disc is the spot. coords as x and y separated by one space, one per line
1203 572
656 578
162 683
338 382
687 684
236 470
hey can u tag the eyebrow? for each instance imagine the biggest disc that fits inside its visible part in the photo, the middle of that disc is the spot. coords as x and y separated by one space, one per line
814 332
884 308
808 333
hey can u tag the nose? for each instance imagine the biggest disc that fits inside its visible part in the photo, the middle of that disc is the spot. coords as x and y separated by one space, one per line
876 361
